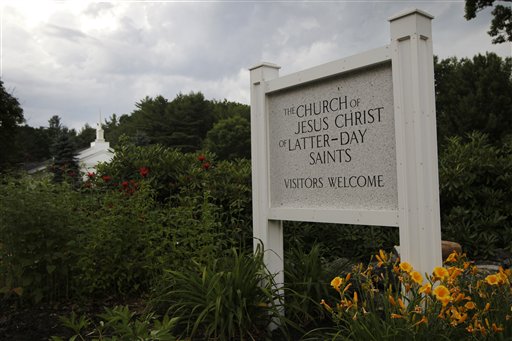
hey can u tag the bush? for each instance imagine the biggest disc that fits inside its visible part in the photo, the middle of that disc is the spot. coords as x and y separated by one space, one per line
183 179
124 246
476 195
38 223
355 242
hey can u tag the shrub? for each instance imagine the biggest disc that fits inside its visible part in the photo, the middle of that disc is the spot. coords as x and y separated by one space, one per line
124 246
38 221
476 195
355 242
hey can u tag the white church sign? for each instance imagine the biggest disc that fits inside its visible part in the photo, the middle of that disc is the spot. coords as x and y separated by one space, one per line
351 142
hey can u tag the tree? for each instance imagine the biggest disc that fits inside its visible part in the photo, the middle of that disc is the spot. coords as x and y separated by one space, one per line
501 24
84 138
474 95
226 109
230 138
64 164
11 116
190 120
33 145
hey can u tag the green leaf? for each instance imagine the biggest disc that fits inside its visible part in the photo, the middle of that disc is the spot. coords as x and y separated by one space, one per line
50 268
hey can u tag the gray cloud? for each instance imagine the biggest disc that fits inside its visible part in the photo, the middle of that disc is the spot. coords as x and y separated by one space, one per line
111 55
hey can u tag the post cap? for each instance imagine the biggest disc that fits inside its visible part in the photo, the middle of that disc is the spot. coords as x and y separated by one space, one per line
408 12
265 64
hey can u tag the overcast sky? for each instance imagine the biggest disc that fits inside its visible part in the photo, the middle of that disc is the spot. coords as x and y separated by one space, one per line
76 59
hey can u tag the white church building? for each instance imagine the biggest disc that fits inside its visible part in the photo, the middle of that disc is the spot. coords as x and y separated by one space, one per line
99 151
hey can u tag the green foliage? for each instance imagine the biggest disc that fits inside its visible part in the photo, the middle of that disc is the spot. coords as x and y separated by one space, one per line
226 109
501 24
38 221
305 285
64 164
230 298
354 242
33 144
472 95
11 115
123 246
85 136
119 323
391 301
181 123
476 195
230 138
182 180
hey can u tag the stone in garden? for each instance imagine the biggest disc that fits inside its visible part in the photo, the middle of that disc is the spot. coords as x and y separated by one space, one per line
448 247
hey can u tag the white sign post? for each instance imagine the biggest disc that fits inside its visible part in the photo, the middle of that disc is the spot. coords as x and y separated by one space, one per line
350 142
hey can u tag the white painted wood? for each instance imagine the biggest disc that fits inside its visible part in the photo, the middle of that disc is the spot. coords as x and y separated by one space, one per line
334 68
418 215
267 233
355 217
416 147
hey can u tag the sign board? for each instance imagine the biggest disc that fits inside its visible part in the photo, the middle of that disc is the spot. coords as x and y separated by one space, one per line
332 144
352 141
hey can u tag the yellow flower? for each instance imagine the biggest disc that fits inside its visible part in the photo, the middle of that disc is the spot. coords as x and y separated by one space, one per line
454 272
487 307
336 283
423 320
441 292
392 300
401 304
440 272
326 306
355 299
406 267
496 329
427 288
416 277
396 316
502 277
444 300
452 257
470 305
470 329
381 257
492 279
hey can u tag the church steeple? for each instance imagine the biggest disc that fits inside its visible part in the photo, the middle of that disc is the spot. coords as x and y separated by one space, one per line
99 133
100 137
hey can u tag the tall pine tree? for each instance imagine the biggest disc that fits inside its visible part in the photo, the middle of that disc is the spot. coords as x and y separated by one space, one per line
64 164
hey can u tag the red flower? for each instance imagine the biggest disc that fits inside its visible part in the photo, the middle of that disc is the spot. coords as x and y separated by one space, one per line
106 178
124 184
201 158
91 175
206 165
143 171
